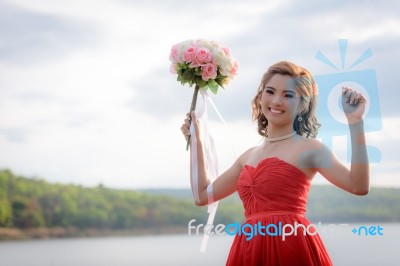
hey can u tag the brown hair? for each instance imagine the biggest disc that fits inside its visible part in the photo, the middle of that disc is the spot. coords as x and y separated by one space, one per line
305 85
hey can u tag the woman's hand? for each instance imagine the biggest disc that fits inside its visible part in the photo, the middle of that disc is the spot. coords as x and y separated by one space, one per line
353 104
185 128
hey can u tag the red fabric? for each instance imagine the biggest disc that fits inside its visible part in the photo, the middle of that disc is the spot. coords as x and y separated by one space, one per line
276 192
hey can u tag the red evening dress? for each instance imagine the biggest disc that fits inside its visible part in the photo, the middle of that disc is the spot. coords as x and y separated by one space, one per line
274 194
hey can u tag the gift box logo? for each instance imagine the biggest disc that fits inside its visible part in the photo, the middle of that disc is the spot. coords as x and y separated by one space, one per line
330 112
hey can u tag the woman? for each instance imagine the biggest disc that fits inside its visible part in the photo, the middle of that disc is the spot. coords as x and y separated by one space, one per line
273 179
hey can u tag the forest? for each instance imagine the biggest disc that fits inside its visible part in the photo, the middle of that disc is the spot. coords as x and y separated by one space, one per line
33 207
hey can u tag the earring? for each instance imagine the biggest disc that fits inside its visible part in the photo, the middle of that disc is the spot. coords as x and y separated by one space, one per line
299 118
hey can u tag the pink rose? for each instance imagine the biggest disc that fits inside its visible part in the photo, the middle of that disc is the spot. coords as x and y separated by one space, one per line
203 56
234 69
227 51
208 71
190 54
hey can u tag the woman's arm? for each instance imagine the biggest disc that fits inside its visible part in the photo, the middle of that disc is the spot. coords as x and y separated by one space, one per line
355 180
224 185
359 169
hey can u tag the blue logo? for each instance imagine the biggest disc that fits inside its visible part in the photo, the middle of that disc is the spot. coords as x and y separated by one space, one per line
374 230
330 112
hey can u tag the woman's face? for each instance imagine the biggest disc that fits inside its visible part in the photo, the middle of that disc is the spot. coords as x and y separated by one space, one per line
280 100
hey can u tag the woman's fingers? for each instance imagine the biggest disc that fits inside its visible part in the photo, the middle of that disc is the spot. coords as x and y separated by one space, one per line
185 130
190 118
351 96
185 126
187 122
357 98
347 94
353 104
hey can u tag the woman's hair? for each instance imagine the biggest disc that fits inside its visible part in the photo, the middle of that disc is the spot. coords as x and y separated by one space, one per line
306 87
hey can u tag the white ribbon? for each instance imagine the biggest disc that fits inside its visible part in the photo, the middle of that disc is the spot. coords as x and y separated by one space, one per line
211 162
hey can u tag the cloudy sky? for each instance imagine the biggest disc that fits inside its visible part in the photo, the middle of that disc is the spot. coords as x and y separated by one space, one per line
86 96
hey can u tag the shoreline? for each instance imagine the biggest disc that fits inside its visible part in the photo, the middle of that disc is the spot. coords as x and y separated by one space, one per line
15 234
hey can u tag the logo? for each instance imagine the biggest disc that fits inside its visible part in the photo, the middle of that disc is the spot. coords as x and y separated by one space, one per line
330 112
374 230
282 230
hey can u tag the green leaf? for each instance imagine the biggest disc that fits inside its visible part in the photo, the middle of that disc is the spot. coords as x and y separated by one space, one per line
219 81
197 71
183 66
188 75
213 85
201 82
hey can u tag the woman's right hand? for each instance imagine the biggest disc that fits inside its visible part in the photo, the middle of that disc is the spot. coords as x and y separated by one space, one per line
185 128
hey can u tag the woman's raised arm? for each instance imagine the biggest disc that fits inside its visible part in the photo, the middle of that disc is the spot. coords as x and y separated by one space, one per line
224 185
356 179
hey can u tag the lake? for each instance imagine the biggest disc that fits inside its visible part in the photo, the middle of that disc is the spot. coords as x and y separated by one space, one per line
344 247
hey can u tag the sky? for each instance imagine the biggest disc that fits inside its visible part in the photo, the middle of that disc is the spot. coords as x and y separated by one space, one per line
86 96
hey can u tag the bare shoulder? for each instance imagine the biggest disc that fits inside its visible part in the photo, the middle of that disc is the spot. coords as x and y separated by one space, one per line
313 144
309 152
244 157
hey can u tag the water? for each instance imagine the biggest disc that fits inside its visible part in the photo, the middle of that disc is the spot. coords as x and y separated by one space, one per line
344 247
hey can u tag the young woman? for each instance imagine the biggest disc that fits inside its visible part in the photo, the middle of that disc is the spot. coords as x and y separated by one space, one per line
273 179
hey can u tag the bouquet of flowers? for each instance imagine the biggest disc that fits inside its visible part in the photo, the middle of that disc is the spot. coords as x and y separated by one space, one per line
203 63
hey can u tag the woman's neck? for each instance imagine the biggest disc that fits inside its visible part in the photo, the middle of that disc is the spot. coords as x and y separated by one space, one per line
276 132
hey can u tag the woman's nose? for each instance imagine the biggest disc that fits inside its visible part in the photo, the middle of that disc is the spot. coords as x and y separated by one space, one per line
277 100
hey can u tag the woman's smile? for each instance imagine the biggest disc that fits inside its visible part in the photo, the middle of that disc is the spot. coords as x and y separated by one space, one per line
275 111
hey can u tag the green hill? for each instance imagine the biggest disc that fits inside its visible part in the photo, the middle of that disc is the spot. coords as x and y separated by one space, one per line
326 203
27 204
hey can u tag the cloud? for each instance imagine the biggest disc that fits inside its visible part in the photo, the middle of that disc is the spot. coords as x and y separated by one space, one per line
160 95
15 135
285 33
102 106
29 36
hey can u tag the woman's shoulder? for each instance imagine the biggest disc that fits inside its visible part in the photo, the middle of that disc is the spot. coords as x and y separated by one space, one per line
311 150
244 157
310 143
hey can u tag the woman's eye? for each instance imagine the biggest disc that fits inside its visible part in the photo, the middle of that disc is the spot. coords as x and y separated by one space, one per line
289 95
269 91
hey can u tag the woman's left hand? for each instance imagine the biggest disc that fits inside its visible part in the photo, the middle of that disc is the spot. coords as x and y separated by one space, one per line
353 104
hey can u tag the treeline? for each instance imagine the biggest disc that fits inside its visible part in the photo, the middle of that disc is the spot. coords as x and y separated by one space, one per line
34 203
326 203
331 204
27 203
